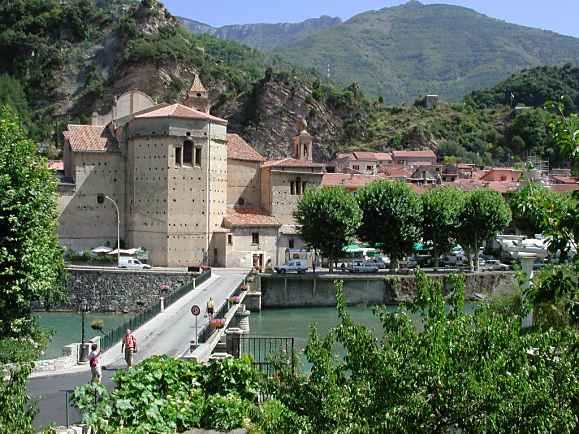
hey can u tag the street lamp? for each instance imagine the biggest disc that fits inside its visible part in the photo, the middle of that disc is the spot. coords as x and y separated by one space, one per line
83 354
100 199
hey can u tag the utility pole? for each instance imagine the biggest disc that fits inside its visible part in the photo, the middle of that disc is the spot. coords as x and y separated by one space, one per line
100 199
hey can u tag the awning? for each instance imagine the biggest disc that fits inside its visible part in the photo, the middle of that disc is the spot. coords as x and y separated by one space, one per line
101 249
128 252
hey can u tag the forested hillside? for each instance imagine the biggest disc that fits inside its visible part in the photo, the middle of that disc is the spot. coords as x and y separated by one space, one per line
404 51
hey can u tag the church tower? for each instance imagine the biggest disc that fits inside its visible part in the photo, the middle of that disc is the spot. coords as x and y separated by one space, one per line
303 142
197 97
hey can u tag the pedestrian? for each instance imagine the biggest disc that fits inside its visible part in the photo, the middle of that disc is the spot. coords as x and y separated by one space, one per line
314 264
129 347
210 308
95 364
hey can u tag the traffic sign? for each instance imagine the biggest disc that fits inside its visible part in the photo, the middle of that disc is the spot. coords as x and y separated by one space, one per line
195 310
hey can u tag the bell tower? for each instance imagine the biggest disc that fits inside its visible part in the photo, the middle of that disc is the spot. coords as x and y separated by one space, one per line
197 96
302 142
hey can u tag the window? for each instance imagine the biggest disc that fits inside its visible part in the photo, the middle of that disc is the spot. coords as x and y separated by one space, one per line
356 167
291 243
292 188
306 151
304 185
298 186
503 178
370 168
230 239
178 156
198 157
255 238
188 153
241 201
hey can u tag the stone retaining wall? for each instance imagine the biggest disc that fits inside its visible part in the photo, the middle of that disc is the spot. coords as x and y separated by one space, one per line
120 291
68 360
279 291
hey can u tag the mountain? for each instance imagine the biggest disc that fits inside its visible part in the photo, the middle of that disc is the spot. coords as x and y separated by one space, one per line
62 61
265 37
402 52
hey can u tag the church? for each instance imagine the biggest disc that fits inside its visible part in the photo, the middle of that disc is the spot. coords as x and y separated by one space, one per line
186 190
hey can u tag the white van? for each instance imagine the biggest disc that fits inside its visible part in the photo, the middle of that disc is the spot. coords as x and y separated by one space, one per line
128 262
297 265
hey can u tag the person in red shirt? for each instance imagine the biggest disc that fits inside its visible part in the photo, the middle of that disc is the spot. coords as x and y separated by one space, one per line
129 347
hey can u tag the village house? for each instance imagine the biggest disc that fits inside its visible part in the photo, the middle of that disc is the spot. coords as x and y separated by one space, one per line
414 158
364 162
186 190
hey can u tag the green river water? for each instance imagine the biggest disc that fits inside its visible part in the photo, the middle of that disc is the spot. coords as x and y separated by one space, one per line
67 328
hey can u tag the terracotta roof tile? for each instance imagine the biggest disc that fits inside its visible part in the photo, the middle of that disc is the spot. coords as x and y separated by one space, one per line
564 179
179 111
564 188
248 217
90 138
197 86
372 156
56 164
349 181
239 149
397 171
413 154
291 162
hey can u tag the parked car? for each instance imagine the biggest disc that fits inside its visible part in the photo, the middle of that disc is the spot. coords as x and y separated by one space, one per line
297 265
382 262
496 265
128 262
363 267
454 259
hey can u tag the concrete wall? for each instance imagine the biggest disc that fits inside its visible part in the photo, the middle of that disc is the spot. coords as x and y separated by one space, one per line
84 223
282 203
243 181
120 290
309 291
240 253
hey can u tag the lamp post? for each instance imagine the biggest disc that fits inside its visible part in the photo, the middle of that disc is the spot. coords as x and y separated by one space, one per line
100 199
83 354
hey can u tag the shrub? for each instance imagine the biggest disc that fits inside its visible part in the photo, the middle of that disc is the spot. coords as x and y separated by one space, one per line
275 417
232 375
225 413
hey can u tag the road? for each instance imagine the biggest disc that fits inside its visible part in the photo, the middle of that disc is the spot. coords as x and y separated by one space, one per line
168 333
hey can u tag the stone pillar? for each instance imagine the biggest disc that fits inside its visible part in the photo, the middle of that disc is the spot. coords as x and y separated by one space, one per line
232 341
243 316
527 263
162 301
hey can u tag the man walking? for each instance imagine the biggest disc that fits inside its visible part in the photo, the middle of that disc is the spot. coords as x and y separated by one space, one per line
129 347
210 308
95 364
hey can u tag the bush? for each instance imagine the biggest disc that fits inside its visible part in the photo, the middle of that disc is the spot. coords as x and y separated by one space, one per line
225 413
275 417
231 375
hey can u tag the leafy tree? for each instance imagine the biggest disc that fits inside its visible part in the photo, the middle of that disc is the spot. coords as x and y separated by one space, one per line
484 214
459 372
329 218
440 211
30 256
391 218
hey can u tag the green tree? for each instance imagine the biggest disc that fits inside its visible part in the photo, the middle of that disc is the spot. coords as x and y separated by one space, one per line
484 214
30 256
458 372
391 218
329 218
440 211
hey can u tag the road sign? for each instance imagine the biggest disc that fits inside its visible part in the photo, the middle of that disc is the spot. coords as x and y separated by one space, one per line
195 310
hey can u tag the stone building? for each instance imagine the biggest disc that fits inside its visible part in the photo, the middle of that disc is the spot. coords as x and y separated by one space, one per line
187 191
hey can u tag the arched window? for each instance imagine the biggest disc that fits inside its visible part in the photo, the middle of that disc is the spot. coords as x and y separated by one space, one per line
188 152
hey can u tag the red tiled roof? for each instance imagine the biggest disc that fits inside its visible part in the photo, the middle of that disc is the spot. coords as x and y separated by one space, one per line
397 171
290 162
564 188
56 164
413 154
347 180
564 179
498 171
179 111
90 138
344 156
248 217
372 156
239 149
474 184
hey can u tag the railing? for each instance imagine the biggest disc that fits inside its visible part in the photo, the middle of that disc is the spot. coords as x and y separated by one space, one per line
115 335
207 331
262 348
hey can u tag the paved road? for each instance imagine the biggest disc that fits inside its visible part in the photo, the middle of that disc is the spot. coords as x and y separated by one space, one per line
169 333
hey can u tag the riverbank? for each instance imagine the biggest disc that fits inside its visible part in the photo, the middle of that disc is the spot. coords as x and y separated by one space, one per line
319 290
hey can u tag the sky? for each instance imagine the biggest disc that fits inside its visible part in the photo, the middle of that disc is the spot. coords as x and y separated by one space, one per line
561 16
